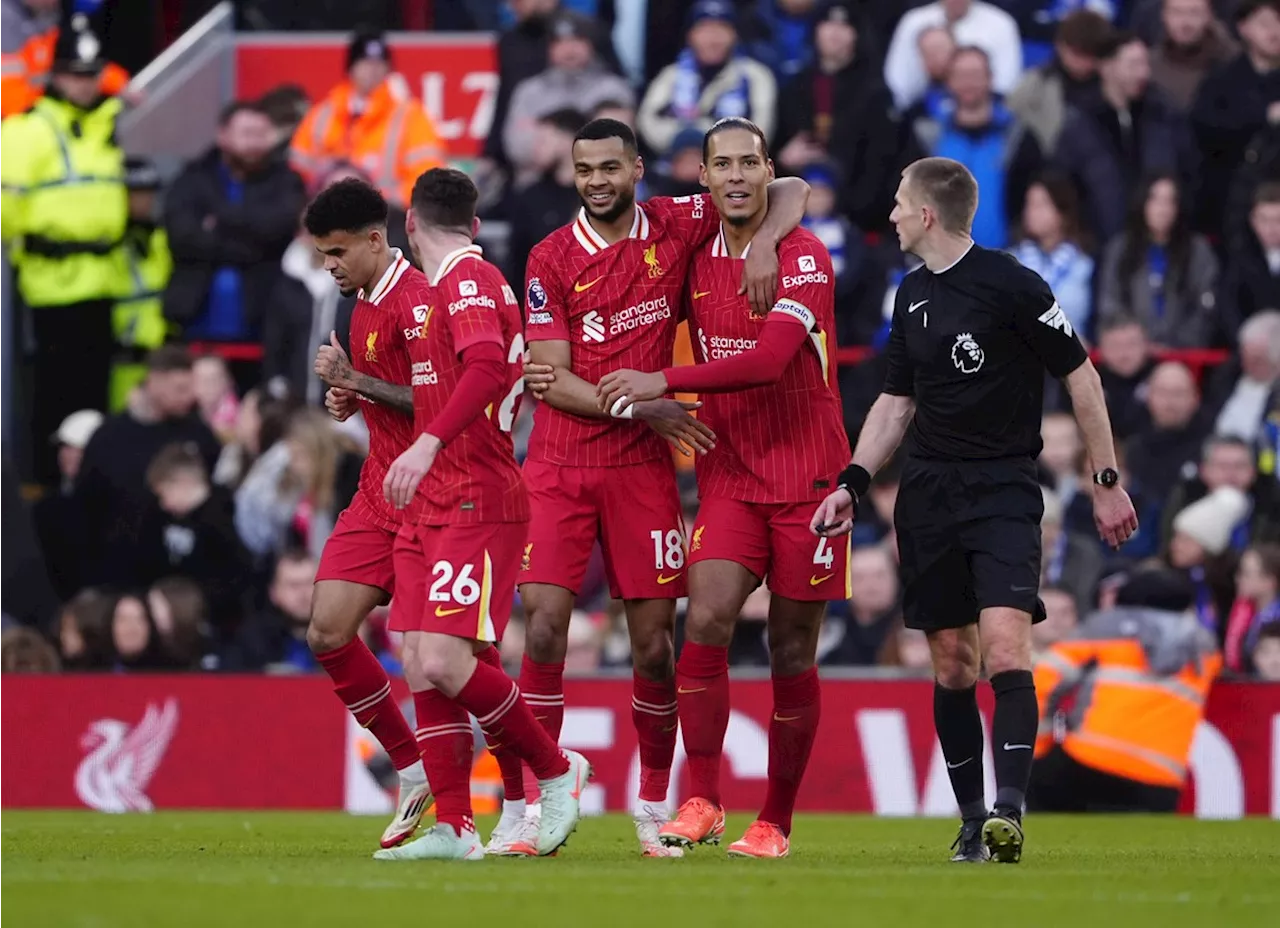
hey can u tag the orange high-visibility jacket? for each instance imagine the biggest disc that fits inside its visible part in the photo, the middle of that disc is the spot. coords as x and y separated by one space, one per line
25 72
392 139
1139 678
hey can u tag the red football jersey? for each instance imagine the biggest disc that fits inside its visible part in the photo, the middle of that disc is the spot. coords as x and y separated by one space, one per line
379 349
617 306
475 477
783 443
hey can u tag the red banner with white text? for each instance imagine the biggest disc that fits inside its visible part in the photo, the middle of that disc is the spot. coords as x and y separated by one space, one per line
454 75
134 743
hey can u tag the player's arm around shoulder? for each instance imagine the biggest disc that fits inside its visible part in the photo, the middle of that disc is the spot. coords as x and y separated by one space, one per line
788 197
806 282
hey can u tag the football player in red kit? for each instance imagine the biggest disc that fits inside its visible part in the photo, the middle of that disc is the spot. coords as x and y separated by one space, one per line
348 222
457 561
768 386
603 292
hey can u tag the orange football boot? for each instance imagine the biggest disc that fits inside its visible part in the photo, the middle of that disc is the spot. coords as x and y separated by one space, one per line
696 822
762 839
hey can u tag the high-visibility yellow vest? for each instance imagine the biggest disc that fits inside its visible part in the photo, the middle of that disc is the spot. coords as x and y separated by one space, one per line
63 203
137 320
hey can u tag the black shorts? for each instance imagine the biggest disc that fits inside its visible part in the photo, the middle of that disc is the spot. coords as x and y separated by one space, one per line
968 538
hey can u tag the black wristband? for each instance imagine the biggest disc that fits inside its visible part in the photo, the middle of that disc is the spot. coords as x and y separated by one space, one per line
856 480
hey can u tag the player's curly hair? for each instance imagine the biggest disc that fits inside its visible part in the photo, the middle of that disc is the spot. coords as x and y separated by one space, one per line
350 205
445 198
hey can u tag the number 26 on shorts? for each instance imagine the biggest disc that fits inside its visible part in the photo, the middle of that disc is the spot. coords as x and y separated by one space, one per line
453 586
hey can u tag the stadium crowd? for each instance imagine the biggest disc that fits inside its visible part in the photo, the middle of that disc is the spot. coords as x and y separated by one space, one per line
1129 152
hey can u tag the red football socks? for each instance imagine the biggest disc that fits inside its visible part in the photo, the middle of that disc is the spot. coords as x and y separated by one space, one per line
509 764
364 688
653 712
448 747
492 697
702 697
797 705
543 689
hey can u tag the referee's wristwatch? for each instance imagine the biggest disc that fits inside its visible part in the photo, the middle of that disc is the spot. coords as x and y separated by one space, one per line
1107 478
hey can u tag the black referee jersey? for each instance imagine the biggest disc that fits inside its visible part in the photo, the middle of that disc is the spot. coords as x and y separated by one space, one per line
970 344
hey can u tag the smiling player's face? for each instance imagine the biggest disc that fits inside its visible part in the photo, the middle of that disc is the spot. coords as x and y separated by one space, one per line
737 173
351 258
606 176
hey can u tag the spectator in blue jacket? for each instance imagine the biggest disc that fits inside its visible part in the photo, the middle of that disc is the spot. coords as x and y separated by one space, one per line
982 134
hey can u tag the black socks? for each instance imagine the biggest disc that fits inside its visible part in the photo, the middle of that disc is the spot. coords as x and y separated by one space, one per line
1013 733
959 727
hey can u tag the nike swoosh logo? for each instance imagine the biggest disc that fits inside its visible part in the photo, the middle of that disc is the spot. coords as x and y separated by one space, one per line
816 581
669 728
785 718
581 287
1022 589
951 766
441 611
1016 747
663 581
699 294
914 306
684 692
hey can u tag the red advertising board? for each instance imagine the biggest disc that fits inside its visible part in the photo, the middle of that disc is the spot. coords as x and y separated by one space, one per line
455 75
133 743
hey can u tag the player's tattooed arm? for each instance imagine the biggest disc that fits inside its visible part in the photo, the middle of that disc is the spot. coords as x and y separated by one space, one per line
788 197
334 368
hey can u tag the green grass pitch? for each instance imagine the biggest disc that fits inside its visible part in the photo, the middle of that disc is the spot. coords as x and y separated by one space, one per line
284 870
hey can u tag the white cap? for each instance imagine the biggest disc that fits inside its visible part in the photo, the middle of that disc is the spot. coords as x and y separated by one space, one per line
1211 519
78 428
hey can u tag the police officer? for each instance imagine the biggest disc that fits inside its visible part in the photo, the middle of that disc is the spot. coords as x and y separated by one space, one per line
973 333
63 213
138 318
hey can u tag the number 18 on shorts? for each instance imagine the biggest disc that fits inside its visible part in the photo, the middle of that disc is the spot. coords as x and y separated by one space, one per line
457 579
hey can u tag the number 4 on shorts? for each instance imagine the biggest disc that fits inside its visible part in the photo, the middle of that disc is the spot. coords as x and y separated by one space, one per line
824 555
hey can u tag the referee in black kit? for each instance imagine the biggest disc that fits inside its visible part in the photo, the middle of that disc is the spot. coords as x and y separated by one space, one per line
972 335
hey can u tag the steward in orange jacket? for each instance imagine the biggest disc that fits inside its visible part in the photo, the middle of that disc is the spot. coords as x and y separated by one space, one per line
28 34
1120 701
372 121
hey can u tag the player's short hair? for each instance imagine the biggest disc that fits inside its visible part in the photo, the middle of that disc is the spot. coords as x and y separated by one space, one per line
236 107
174 459
948 187
734 122
169 358
445 198
1084 31
350 205
597 130
1116 41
